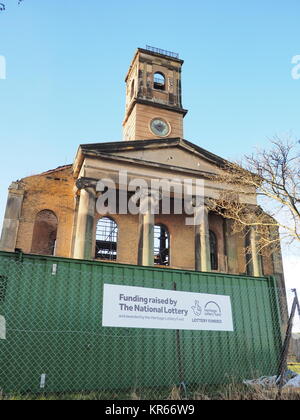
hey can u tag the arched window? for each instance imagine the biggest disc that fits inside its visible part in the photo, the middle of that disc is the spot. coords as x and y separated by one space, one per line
161 245
159 81
106 239
213 250
44 233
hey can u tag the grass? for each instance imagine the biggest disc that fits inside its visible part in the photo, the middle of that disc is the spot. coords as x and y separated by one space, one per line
225 392
231 392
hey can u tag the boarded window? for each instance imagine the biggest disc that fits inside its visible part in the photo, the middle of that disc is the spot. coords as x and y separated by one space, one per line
106 239
161 245
213 250
44 233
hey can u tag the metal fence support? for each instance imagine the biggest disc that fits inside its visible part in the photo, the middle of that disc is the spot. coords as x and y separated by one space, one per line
287 341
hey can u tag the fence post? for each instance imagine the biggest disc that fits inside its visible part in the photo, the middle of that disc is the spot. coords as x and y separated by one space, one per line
285 349
179 356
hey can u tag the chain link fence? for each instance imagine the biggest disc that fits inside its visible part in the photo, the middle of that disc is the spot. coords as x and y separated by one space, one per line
52 339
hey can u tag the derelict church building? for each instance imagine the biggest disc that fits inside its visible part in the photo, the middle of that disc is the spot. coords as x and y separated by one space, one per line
55 213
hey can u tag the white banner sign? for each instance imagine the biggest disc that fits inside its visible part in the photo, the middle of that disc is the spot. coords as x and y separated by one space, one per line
139 307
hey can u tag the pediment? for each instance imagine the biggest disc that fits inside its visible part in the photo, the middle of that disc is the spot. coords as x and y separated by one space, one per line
171 156
175 153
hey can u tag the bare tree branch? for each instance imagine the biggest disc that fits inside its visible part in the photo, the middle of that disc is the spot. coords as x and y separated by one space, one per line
273 176
2 5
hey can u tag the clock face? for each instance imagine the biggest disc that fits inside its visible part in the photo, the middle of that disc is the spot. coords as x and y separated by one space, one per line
160 127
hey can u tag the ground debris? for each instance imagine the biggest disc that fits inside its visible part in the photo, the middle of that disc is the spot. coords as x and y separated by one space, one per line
291 380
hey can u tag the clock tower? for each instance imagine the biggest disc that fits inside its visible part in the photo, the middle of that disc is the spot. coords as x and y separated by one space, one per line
153 96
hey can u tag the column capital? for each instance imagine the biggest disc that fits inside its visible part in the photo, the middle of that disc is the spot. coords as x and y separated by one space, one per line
84 183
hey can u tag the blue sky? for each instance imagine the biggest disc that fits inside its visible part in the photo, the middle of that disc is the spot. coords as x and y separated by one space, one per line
67 60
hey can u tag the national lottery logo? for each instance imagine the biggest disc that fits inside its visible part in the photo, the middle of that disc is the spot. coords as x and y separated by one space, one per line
211 309
197 308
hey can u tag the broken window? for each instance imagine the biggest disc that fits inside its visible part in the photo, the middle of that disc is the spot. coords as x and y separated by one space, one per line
161 245
106 239
159 81
213 250
44 233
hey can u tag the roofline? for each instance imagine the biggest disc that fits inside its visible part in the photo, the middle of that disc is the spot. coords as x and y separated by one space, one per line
156 54
49 172
107 147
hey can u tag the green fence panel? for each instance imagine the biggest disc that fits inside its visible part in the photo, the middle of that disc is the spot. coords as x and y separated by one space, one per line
55 341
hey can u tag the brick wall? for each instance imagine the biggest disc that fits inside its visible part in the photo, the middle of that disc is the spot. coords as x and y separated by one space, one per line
53 191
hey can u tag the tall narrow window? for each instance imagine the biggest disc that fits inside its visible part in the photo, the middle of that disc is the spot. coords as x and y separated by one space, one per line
161 245
159 81
132 89
106 239
44 233
213 250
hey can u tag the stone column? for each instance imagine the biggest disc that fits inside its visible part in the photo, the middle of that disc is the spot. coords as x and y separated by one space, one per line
231 252
202 242
148 239
146 232
12 217
255 260
276 248
84 239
